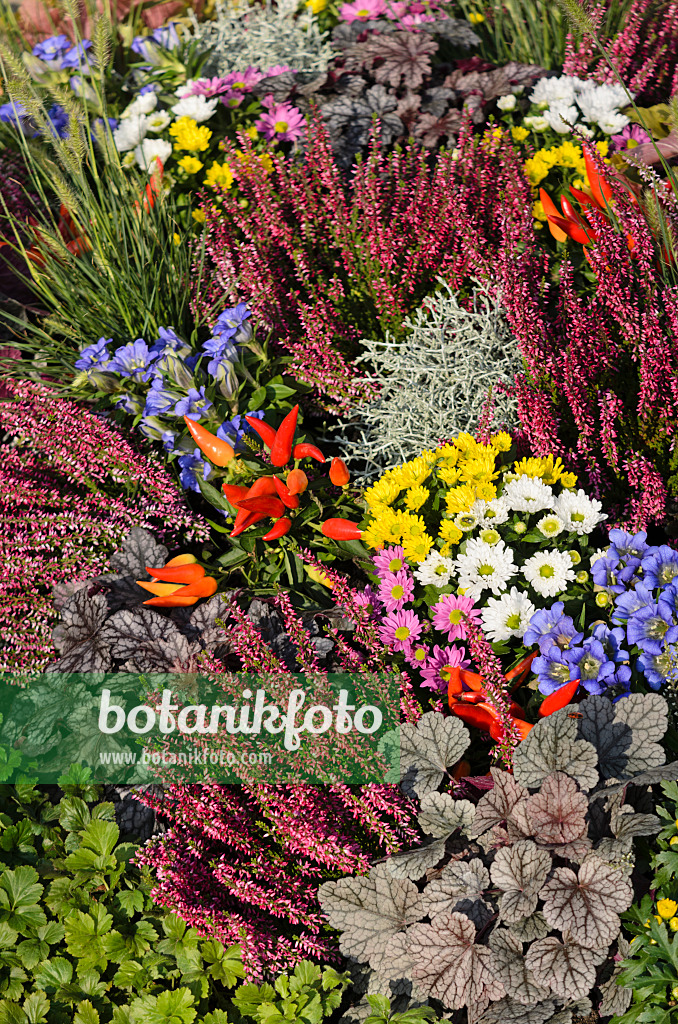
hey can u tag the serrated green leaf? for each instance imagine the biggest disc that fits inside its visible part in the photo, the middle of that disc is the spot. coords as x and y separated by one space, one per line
130 901
52 974
36 1007
11 1013
86 1013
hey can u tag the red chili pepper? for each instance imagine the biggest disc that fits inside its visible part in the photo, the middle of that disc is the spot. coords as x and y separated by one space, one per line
341 529
558 699
551 210
244 520
574 231
186 596
339 474
600 188
473 715
288 499
281 449
279 530
234 492
265 432
308 451
265 505
584 198
297 481
523 667
217 451
178 573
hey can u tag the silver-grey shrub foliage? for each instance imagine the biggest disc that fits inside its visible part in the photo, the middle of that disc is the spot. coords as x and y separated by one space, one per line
511 906
435 383
262 36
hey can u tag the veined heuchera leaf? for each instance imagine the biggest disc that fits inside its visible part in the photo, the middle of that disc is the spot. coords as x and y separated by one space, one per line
527 929
416 862
616 998
587 906
368 910
440 815
557 813
566 968
139 549
651 777
449 965
147 641
403 56
520 871
496 805
626 734
78 635
627 823
508 1011
394 965
552 746
509 967
426 750
459 880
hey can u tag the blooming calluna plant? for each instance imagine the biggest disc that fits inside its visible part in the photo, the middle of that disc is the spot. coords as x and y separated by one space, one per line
73 487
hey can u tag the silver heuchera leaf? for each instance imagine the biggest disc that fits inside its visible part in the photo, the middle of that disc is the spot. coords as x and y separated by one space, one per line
203 620
415 863
427 749
663 773
557 814
627 823
459 879
617 854
527 929
393 966
587 906
496 805
520 871
552 746
626 734
369 910
508 966
147 641
616 999
139 549
565 968
78 635
508 1011
440 815
449 965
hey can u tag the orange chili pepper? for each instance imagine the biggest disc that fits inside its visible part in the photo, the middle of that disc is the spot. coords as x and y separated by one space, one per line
339 474
186 596
217 451
296 481
177 573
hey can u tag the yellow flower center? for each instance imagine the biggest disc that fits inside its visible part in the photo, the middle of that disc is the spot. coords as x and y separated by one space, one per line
402 633
280 126
397 592
456 615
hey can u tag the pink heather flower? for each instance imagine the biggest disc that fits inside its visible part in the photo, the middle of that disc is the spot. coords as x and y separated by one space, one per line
630 137
282 121
362 10
395 590
436 671
449 615
400 628
389 560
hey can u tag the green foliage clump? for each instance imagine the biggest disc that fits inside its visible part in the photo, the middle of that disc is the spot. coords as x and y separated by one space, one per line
306 996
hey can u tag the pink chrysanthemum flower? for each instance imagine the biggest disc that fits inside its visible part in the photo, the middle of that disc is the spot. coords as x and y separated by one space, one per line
630 137
362 10
369 599
281 121
209 86
389 560
436 671
449 614
395 590
277 69
416 654
400 629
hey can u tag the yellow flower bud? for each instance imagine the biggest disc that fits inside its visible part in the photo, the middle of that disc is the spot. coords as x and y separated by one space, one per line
602 599
575 557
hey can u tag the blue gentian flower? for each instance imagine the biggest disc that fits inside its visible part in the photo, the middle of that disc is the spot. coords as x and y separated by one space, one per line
95 356
629 603
550 625
234 430
659 668
77 57
607 572
220 347
157 431
551 669
191 464
99 121
160 401
651 628
172 368
232 323
58 121
130 403
628 545
612 641
52 49
11 113
133 360
194 405
153 87
591 665
167 36
660 567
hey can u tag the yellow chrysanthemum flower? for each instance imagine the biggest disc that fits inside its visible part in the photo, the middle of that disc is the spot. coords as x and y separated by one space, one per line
188 134
538 211
486 491
449 532
667 908
191 164
501 442
519 134
412 526
219 175
460 499
417 548
199 216
450 475
568 480
383 492
476 18
414 472
416 497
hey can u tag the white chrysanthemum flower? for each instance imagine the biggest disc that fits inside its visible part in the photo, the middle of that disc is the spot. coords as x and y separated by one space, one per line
549 572
485 567
600 553
528 494
579 513
158 122
197 107
612 122
540 124
558 115
141 105
185 90
435 570
151 150
130 133
490 513
507 102
465 521
507 616
551 526
550 91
